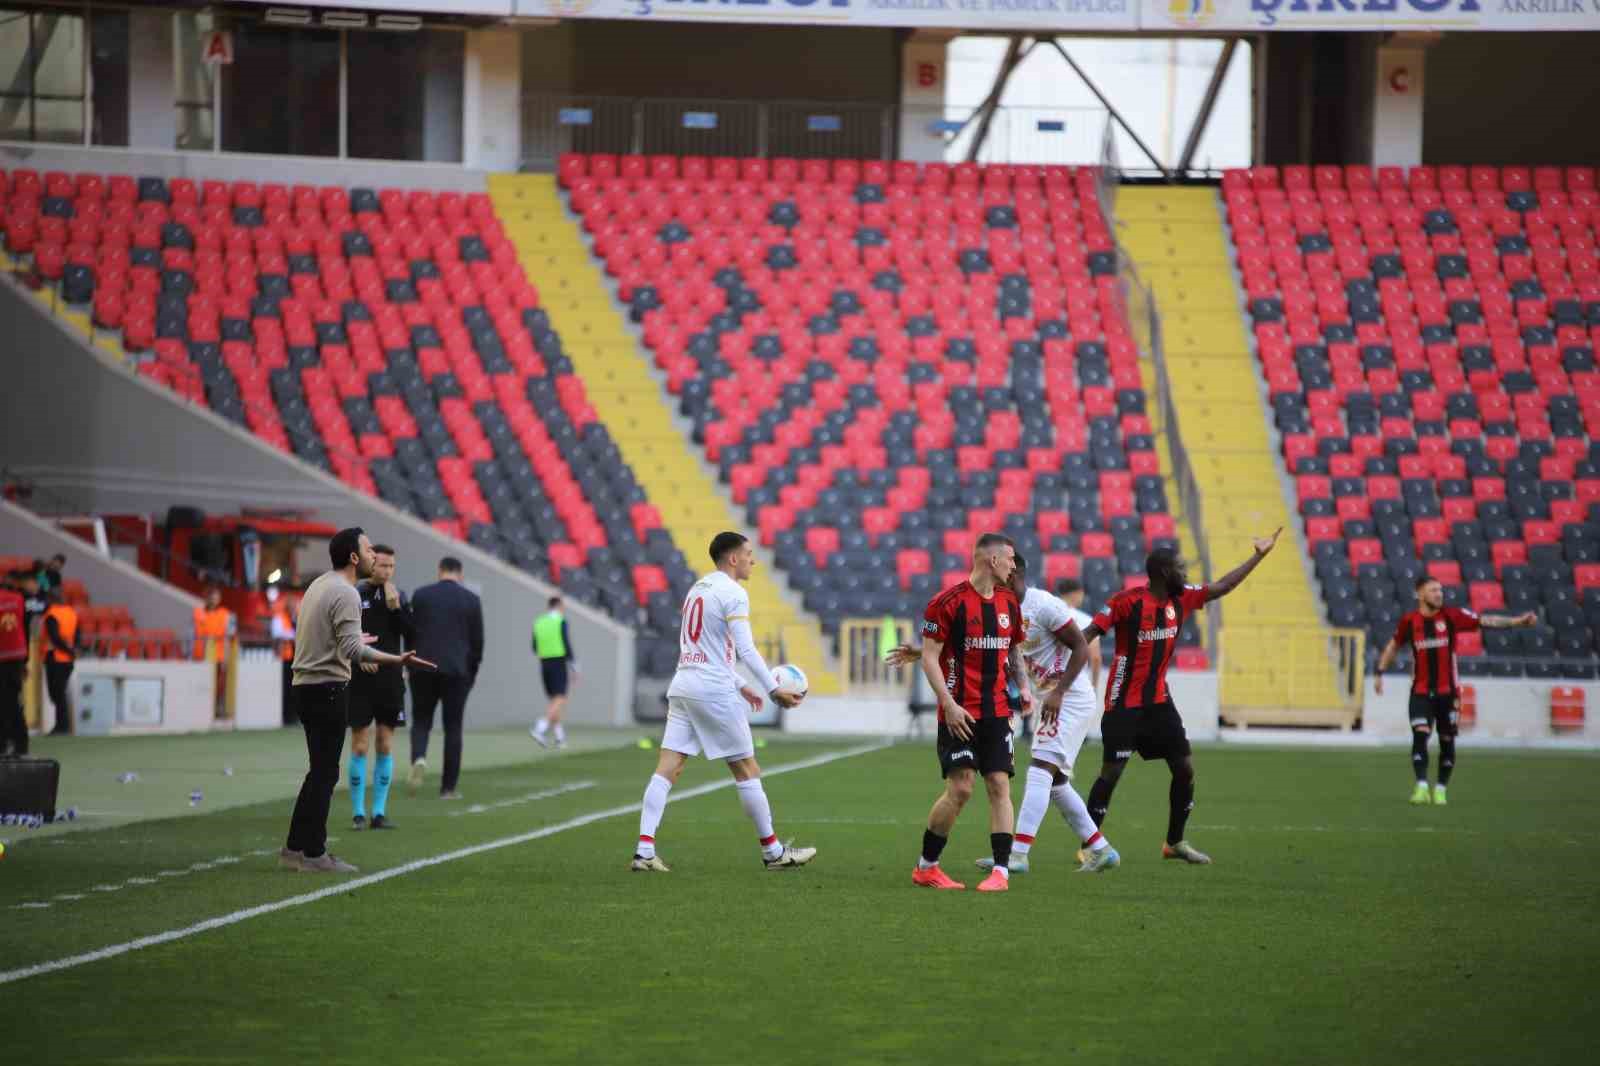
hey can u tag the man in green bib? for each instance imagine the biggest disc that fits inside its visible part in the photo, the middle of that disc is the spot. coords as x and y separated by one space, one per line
554 648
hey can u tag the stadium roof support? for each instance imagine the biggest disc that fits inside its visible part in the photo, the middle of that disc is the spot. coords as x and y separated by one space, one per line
1111 109
1015 54
1208 103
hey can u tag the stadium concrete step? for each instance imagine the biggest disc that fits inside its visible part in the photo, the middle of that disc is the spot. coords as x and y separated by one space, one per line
605 356
1178 243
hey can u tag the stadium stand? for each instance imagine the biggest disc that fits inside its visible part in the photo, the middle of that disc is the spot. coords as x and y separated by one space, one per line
884 359
1428 342
387 336
108 631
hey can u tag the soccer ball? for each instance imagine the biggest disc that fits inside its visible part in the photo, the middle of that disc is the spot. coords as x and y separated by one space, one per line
791 680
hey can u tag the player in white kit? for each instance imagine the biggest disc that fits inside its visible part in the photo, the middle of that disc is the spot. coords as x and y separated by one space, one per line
709 707
1055 651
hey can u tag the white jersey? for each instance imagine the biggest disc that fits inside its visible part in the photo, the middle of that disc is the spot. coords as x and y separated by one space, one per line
1042 615
713 635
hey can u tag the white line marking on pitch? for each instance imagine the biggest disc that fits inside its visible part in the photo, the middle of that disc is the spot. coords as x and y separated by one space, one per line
234 918
479 808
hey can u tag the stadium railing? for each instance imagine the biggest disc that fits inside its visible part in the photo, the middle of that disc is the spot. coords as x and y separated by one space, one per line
1292 687
865 673
555 124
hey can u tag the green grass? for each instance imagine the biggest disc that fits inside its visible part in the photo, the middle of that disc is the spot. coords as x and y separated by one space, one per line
1338 925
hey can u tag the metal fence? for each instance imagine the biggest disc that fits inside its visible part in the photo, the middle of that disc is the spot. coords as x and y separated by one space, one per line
805 129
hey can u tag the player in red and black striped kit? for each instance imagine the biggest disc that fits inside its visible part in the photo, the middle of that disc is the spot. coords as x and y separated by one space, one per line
1139 714
971 640
1430 631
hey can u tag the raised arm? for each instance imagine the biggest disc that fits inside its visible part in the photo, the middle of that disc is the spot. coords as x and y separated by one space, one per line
1236 576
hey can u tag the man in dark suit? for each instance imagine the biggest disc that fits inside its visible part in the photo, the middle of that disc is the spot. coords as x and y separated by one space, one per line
448 621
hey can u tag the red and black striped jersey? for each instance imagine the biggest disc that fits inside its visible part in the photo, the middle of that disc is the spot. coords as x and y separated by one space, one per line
1146 631
977 635
1433 647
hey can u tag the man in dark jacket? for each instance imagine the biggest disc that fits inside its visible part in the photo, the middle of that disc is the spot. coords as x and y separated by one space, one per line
448 620
378 693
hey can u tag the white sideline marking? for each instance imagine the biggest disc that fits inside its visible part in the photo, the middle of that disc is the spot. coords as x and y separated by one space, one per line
479 808
234 918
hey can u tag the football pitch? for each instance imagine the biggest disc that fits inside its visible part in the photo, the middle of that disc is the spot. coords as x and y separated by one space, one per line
1337 925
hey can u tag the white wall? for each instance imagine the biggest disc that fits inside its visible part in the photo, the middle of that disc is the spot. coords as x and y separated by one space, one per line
492 123
1510 711
152 118
923 81
1397 107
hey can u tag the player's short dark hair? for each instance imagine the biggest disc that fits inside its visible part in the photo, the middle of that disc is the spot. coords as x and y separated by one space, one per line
993 540
555 601
1068 585
345 543
58 558
725 542
450 565
1159 562
1425 579
382 549
1022 564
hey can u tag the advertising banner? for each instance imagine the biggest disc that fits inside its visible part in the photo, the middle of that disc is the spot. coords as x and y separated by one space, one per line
1044 15
1443 15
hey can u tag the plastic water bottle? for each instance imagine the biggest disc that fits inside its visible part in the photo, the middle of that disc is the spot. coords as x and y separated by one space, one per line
195 797
227 771
127 778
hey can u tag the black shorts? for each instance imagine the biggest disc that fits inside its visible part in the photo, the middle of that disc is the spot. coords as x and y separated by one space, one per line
988 752
555 677
1440 714
1155 732
380 707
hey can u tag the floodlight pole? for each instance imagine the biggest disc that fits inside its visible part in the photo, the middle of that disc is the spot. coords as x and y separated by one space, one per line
1112 111
1208 104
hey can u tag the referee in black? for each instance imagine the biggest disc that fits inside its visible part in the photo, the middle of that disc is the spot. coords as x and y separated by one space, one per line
378 693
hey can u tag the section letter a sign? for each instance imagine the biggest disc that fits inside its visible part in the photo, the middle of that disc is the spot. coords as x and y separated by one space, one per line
216 47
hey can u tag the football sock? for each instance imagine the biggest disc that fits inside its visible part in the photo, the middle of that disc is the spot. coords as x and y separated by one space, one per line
1099 800
358 784
1070 804
561 734
1098 842
1035 801
1447 759
655 803
1180 800
382 776
541 727
1419 755
932 847
1001 843
753 798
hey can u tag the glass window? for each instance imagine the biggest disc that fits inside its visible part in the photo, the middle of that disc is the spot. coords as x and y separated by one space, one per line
41 76
404 93
281 92
192 81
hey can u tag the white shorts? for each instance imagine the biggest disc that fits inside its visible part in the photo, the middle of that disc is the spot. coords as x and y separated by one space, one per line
1059 744
720 729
